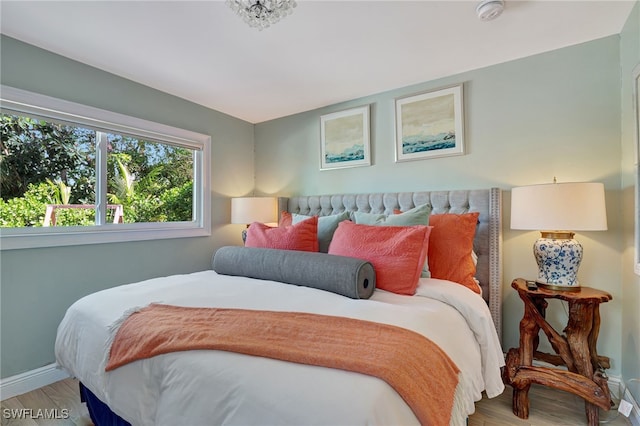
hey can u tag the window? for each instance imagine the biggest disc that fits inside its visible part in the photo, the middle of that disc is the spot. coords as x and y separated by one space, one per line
73 174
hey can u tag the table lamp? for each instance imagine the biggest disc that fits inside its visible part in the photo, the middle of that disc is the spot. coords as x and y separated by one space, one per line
253 209
556 210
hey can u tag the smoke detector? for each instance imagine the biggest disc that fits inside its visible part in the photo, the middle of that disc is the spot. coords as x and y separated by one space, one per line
489 9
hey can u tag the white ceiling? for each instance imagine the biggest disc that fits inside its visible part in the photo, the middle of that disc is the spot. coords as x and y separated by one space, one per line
324 53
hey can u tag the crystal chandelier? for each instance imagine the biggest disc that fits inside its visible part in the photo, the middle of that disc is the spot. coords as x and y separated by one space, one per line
261 14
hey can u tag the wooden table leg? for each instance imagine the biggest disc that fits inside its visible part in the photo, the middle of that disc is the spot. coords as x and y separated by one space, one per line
529 340
578 331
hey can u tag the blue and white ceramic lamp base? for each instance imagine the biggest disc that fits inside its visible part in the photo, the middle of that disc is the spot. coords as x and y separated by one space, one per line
558 256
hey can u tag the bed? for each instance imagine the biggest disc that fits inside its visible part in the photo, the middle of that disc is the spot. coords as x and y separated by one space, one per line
204 386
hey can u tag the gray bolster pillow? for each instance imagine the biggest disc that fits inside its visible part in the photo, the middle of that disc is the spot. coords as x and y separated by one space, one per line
347 276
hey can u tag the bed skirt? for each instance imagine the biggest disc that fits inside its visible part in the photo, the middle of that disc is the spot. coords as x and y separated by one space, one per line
100 413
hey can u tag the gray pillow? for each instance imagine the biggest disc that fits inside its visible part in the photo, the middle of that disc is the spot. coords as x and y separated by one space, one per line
418 215
347 276
327 225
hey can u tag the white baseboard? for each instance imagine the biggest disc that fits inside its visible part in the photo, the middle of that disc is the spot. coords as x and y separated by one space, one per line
616 388
634 417
30 380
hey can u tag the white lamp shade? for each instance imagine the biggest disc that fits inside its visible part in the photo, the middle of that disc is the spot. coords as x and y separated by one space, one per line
559 207
247 210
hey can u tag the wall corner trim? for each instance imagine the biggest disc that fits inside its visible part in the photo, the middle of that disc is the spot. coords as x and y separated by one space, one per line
31 380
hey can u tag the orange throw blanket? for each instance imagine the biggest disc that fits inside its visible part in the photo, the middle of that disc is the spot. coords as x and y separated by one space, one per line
421 373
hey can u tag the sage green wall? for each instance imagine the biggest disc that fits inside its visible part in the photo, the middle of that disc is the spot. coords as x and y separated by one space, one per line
629 59
552 114
38 285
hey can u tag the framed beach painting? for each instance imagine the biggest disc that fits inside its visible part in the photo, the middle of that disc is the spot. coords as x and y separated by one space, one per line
344 139
430 124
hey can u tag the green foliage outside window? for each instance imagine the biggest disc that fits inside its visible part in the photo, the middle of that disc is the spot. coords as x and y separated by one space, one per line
42 163
29 210
32 151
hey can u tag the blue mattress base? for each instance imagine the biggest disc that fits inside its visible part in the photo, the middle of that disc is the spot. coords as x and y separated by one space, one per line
100 413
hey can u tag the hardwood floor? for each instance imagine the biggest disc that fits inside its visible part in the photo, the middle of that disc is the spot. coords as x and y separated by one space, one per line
549 407
56 404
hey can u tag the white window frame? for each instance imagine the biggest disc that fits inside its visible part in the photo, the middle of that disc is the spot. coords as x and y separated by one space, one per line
44 106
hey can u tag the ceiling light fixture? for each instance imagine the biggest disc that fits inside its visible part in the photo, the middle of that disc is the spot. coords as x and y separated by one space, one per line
489 9
261 14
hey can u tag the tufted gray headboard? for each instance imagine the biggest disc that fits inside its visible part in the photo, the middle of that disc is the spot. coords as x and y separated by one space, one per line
488 239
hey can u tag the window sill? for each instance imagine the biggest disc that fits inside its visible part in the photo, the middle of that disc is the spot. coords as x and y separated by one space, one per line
13 239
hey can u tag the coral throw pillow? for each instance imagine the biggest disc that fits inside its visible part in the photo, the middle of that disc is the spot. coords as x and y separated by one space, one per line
285 219
450 247
302 236
397 253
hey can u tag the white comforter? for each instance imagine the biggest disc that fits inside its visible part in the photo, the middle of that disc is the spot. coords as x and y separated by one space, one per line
215 387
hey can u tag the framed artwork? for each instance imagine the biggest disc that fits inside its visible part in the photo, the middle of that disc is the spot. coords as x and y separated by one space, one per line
430 124
344 139
636 115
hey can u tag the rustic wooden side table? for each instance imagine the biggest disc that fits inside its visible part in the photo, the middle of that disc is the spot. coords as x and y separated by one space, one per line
576 350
